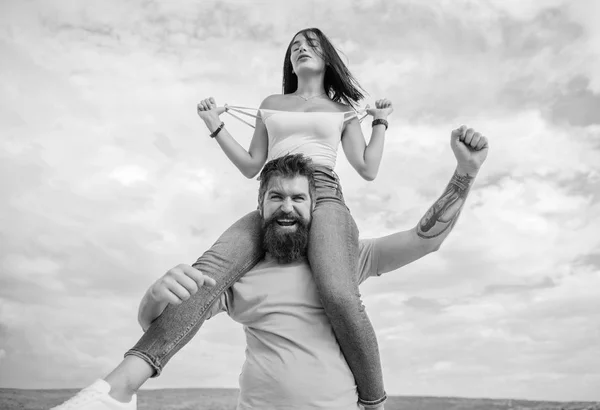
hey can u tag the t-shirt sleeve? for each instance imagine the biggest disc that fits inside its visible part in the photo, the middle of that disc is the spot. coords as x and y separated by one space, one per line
219 306
367 259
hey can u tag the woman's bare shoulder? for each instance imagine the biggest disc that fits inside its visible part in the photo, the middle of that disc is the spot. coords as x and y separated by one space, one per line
341 107
272 101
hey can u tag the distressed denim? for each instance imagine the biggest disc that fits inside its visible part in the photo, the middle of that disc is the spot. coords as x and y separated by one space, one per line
333 257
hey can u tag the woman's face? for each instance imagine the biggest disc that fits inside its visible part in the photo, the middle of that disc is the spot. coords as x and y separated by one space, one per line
306 53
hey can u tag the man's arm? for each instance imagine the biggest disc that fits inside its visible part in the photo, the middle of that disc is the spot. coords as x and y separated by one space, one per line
174 287
394 251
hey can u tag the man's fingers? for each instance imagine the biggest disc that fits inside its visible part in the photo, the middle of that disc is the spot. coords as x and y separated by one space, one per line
170 297
469 136
483 143
190 271
475 140
178 290
180 283
459 132
184 280
197 276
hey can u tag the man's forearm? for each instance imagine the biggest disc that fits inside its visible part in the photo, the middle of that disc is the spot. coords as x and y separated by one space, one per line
442 216
149 310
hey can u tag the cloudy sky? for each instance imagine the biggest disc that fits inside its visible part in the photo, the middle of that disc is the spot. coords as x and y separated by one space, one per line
108 179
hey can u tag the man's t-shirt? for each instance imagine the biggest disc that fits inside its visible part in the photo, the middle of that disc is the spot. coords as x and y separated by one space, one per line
293 360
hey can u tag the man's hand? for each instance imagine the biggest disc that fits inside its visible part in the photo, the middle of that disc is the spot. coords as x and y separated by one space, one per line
175 286
470 149
178 285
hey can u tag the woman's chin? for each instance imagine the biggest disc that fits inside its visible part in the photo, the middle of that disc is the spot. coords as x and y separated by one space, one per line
309 69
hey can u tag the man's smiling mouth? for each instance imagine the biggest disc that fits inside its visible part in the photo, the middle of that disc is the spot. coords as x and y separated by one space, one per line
286 222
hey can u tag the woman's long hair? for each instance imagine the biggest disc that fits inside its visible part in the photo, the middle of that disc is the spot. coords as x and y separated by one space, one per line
340 85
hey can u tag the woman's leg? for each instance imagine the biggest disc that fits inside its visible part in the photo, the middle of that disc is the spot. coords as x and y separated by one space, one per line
333 257
234 254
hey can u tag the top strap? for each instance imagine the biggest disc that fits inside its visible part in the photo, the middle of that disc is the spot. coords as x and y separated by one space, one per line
238 109
230 109
348 115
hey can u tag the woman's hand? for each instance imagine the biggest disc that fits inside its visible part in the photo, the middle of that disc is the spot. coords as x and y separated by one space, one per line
382 109
207 110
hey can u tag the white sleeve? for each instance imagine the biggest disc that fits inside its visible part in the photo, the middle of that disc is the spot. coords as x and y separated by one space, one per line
367 259
219 306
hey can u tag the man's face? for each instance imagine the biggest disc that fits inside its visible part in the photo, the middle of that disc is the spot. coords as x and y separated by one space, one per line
286 211
287 199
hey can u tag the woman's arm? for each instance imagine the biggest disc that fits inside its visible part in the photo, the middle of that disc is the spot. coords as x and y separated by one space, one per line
248 162
366 158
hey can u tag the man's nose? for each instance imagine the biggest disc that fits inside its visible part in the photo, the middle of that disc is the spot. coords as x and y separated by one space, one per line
287 206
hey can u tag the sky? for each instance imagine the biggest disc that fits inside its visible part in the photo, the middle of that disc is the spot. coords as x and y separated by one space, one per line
108 179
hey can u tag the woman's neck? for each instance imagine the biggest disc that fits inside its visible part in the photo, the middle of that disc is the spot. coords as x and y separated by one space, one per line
311 86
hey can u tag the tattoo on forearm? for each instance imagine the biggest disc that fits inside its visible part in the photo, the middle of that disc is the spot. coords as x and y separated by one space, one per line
442 216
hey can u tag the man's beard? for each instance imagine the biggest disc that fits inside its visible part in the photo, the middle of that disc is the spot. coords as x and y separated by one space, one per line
285 246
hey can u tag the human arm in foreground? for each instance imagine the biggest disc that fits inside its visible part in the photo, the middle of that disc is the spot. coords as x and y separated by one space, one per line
174 287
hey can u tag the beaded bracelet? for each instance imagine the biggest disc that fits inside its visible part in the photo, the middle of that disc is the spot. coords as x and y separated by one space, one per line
380 121
218 130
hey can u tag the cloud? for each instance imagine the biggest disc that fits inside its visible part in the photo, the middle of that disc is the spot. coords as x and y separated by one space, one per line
109 179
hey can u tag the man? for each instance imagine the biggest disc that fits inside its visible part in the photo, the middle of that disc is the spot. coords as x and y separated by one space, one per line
293 360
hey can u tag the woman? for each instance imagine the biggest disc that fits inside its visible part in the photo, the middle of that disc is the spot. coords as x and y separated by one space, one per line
312 116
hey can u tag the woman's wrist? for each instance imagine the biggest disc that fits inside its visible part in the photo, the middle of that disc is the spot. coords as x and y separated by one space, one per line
380 122
212 124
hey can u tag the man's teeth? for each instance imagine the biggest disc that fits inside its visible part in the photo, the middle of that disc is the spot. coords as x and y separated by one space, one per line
286 222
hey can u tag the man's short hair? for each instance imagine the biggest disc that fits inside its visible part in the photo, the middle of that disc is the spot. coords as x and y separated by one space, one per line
287 166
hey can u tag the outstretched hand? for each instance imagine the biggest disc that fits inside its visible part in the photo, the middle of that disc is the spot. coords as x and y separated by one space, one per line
470 148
